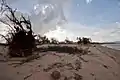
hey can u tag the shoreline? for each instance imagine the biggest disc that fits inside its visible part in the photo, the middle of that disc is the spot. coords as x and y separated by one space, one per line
112 46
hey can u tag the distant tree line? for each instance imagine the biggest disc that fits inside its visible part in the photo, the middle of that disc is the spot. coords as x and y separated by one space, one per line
45 40
21 39
83 40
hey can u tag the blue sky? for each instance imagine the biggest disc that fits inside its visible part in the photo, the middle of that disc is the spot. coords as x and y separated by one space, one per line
96 12
72 18
92 13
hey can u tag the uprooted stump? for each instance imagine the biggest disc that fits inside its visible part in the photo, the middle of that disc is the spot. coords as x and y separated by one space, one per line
21 44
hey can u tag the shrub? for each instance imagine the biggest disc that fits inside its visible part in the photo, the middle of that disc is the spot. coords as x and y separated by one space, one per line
83 40
79 40
54 41
64 49
86 40
42 39
67 41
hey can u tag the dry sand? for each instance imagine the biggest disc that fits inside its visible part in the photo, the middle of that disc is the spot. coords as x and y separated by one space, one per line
101 63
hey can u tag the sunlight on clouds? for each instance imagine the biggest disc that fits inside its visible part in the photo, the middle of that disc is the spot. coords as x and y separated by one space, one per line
3 30
88 1
60 34
50 18
47 14
72 30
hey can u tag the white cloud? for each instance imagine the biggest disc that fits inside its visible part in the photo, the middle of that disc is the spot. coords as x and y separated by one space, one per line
109 33
3 31
88 1
60 34
47 14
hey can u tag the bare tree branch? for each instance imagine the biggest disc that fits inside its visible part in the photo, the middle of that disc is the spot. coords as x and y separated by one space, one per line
5 38
4 22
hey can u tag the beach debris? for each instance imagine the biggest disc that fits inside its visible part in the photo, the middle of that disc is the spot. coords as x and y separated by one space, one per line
68 77
105 66
77 65
92 74
58 65
70 66
55 54
56 75
94 45
83 59
65 49
18 72
39 65
85 51
26 77
29 58
77 76
65 78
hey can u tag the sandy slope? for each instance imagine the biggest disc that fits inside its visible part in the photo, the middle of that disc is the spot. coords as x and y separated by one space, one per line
100 64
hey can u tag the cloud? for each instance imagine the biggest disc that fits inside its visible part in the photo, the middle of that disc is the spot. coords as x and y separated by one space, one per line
88 1
106 33
48 18
60 34
48 13
9 1
3 30
45 14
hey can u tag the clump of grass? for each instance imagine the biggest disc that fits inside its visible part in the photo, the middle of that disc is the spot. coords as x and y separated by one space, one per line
64 49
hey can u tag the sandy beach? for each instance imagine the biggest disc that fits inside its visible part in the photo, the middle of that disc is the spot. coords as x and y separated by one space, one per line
101 63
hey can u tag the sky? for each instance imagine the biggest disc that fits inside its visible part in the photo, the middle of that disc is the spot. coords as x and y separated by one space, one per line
96 19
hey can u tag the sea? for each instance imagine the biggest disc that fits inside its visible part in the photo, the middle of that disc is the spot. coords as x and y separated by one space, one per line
114 46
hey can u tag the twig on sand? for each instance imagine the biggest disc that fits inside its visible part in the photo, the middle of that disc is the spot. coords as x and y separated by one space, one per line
30 58
82 59
105 66
93 75
58 65
26 77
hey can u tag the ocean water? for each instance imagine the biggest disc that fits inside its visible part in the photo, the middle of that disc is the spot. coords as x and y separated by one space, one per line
114 46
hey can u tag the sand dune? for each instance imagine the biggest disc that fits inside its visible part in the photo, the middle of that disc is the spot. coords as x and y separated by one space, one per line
101 63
